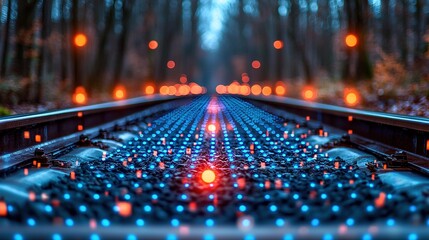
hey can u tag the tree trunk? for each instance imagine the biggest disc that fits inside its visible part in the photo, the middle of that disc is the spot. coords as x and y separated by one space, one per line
5 52
46 20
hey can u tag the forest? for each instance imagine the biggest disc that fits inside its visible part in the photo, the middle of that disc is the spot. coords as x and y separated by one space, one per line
62 53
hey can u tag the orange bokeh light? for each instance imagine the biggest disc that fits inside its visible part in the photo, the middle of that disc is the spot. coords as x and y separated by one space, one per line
211 127
208 176
266 90
256 64
245 90
351 40
79 96
280 90
256 89
184 90
172 90
119 93
153 45
278 44
80 40
220 89
149 90
196 89
171 64
351 97
163 90
309 93
233 88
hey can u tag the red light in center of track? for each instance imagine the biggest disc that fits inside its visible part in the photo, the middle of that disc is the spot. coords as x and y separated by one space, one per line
212 128
208 176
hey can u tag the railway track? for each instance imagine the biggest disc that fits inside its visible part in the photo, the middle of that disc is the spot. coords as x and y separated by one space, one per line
214 167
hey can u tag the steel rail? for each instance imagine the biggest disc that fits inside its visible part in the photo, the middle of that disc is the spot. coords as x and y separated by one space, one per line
23 131
409 133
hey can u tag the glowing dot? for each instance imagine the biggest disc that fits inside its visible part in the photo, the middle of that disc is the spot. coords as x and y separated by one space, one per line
278 44
80 40
280 90
220 89
350 221
242 208
256 89
208 176
119 93
351 40
140 222
304 208
31 222
256 64
80 98
171 64
412 236
209 222
149 90
280 222
105 222
266 91
211 127
153 45
315 222
351 97
390 222
308 94
179 208
175 222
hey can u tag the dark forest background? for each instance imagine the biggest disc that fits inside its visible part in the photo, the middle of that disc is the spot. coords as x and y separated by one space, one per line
41 67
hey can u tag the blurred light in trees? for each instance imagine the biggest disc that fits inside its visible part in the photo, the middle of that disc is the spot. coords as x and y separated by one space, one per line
234 88
280 90
184 90
256 64
79 96
309 93
119 93
278 44
171 64
80 40
266 90
153 45
245 90
220 89
172 90
256 89
149 90
351 40
195 88
351 97
163 90
245 78
183 78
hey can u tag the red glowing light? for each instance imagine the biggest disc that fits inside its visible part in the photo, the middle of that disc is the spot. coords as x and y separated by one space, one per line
171 64
80 40
208 176
256 64
212 128
149 90
278 44
183 79
351 97
153 45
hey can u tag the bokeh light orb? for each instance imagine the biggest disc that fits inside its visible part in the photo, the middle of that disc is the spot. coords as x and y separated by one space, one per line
208 176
